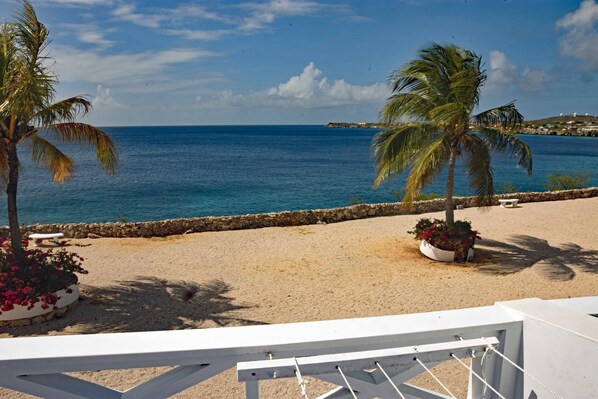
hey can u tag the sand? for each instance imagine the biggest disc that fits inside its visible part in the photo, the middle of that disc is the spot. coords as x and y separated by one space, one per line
360 268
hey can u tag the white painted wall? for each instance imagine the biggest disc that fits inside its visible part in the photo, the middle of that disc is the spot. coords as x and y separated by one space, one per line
560 349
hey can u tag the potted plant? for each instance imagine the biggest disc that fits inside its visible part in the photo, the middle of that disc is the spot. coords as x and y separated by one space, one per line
445 243
46 281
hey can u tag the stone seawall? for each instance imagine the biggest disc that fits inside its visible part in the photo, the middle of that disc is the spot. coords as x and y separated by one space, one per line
288 218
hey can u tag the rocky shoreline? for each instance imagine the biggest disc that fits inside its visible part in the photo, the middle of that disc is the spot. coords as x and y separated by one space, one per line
169 227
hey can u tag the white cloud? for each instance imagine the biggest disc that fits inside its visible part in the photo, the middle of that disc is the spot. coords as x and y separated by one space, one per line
195 11
199 34
259 15
155 19
265 13
131 71
301 87
581 38
90 34
584 17
95 37
81 2
308 89
503 72
104 99
126 12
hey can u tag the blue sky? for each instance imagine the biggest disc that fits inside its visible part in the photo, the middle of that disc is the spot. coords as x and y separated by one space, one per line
208 62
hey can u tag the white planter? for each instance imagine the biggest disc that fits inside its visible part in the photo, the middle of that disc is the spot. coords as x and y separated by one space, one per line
21 312
440 254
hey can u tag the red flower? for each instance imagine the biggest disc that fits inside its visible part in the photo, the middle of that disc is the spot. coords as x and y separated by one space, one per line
42 273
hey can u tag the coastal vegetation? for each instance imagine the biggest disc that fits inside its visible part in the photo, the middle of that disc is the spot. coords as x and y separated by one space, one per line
356 200
30 117
433 124
399 194
507 187
438 93
568 181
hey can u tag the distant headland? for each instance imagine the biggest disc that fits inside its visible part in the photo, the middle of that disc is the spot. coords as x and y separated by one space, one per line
357 125
562 125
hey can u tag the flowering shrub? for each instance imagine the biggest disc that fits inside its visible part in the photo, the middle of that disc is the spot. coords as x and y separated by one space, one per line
460 238
42 273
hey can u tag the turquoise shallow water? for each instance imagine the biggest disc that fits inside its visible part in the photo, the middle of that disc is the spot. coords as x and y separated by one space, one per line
186 171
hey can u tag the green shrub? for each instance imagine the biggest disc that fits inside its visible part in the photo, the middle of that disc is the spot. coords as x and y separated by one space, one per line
427 196
507 188
356 200
568 181
399 194
121 219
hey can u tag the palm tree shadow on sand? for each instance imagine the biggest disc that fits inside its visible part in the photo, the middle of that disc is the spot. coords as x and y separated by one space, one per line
147 304
523 251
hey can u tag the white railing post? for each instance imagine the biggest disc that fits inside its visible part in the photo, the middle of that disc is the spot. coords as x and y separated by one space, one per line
252 390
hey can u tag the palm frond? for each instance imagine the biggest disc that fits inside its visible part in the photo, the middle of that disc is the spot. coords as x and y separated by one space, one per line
465 88
8 53
75 132
426 165
508 144
46 155
31 82
452 113
394 149
506 116
32 34
402 106
441 75
478 167
63 111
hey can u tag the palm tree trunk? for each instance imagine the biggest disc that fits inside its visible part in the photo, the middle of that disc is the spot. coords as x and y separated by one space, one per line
11 192
450 183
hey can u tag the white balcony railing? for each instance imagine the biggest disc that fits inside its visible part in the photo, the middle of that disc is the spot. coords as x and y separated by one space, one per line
555 342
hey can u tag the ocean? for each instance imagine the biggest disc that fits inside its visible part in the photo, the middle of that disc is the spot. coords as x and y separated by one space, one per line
185 171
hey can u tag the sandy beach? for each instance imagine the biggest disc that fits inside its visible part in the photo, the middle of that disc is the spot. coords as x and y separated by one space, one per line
360 268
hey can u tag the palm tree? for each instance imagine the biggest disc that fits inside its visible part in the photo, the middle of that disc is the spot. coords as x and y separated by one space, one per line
436 94
29 115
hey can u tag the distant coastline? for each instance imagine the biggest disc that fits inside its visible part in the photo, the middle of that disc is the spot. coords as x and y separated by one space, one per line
356 125
563 125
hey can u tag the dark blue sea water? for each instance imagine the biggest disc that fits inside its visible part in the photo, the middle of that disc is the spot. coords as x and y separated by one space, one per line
186 171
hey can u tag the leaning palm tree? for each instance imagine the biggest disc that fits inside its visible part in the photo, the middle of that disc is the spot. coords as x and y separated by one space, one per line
430 112
30 117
